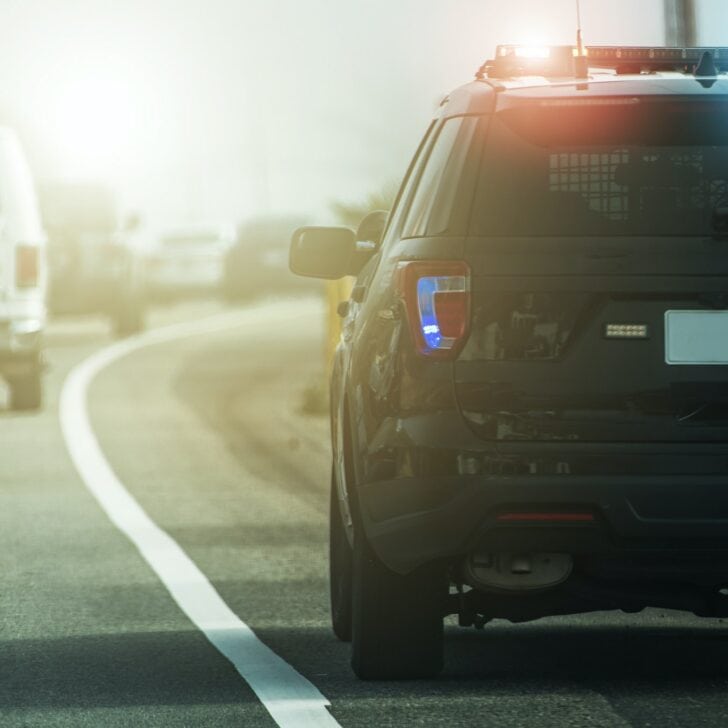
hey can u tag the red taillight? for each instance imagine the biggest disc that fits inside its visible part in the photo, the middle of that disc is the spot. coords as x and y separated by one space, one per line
436 295
451 311
27 266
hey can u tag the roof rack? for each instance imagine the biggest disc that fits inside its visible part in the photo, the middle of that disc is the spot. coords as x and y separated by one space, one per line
563 61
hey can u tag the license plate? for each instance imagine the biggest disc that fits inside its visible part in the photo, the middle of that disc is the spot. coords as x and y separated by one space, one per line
696 337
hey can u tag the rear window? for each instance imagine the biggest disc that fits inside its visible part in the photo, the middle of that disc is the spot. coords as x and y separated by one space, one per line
439 192
627 167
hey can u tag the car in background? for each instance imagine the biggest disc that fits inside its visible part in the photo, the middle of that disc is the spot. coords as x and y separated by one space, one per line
189 261
95 266
257 265
22 277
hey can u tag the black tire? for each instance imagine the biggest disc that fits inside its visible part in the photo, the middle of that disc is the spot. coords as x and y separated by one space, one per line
397 621
340 569
26 391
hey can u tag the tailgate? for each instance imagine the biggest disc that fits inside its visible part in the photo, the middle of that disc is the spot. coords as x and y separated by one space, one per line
600 342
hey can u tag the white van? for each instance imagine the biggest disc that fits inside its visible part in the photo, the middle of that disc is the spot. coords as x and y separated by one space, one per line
22 277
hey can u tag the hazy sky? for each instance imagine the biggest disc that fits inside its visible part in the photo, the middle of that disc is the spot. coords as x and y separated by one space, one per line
203 110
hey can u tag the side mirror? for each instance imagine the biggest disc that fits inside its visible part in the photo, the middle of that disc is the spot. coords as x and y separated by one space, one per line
322 252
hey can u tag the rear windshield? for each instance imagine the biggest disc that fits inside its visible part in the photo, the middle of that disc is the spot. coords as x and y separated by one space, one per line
621 167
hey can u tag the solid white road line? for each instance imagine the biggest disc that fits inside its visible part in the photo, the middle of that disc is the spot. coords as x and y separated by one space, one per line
290 698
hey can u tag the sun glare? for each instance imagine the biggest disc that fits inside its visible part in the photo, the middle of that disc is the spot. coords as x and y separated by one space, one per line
94 119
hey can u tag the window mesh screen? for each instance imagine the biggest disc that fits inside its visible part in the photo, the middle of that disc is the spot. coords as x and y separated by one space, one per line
591 175
622 184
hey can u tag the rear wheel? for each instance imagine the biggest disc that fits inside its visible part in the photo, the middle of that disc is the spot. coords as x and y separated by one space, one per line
340 569
26 391
397 621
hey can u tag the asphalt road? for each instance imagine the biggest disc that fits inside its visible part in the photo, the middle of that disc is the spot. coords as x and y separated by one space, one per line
208 434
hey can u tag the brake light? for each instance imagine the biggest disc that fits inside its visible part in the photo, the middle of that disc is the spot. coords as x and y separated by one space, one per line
27 266
436 295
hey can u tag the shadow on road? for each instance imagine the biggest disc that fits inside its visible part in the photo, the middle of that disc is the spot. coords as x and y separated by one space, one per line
155 668
180 668
531 658
608 654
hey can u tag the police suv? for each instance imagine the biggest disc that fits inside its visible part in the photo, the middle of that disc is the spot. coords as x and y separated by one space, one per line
530 394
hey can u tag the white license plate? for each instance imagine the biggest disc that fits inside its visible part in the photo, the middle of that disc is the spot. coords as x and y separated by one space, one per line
696 337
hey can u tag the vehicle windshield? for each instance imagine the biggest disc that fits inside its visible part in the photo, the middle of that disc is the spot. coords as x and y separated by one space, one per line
625 168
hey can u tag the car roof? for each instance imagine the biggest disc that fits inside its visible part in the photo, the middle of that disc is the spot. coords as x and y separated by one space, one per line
489 95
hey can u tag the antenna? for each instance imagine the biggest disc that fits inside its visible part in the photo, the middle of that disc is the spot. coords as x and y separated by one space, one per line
581 64
579 41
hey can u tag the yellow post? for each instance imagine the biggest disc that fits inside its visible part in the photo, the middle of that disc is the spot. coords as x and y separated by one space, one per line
336 292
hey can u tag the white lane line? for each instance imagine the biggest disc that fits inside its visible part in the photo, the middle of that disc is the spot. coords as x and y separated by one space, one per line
291 700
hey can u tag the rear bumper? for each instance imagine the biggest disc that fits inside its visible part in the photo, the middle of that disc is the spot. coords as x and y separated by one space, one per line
411 521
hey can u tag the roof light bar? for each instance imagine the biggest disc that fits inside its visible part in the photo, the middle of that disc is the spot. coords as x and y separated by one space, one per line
526 51
519 60
653 57
563 61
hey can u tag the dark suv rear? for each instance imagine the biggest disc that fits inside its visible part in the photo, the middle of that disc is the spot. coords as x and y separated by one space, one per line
530 396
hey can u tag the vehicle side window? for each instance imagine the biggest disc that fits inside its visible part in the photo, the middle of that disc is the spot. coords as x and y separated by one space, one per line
436 196
405 191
